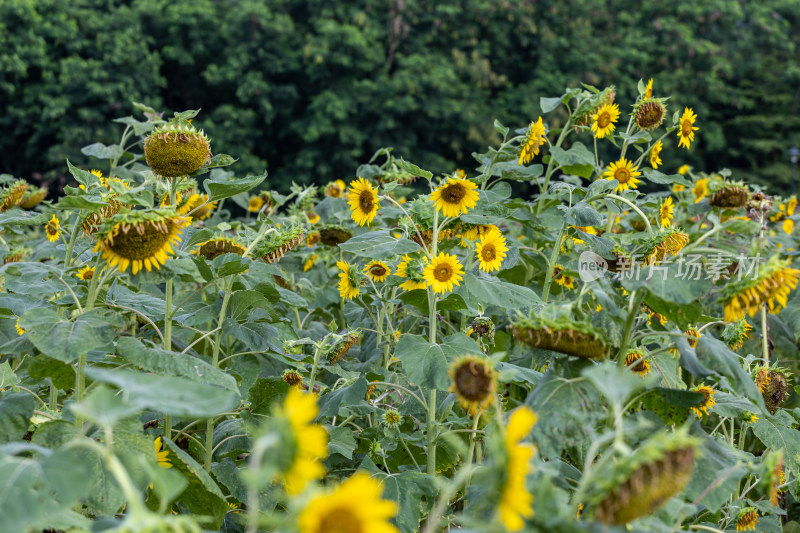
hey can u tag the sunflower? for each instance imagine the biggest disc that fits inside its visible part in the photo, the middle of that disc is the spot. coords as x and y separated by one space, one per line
349 281
292 377
491 250
747 519
625 173
163 456
198 207
413 269
515 500
707 403
700 189
95 172
33 197
649 114
684 169
312 217
568 282
309 264
355 506
255 203
310 440
473 382
648 92
19 329
335 189
735 333
666 213
772 287
313 238
140 238
278 244
678 188
51 229
532 143
687 128
86 273
363 200
655 157
392 418
12 194
603 121
455 197
174 150
378 271
444 272
636 361
668 241
762 379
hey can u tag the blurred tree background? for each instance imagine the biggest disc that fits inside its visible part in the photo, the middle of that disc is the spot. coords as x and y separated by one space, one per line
310 89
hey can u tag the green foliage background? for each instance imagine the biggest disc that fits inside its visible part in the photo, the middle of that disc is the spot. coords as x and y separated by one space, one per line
310 89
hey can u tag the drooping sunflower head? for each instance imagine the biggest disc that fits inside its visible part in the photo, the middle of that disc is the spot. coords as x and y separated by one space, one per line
561 334
312 217
278 243
666 212
254 204
706 403
649 114
473 381
335 189
455 197
491 250
638 484
33 197
625 173
11 195
86 273
735 333
483 327
773 382
687 128
605 119
747 518
377 271
530 146
14 254
174 150
444 272
292 377
342 345
310 441
413 268
333 235
161 454
636 361
217 246
666 242
772 475
313 238
310 262
772 286
363 200
350 280
730 197
51 229
140 239
700 189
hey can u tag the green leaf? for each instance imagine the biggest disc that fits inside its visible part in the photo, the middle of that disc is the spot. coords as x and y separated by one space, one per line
16 408
378 245
18 217
139 127
502 130
549 104
341 441
582 214
103 151
714 459
67 340
7 376
415 493
82 176
104 407
717 356
777 432
425 364
146 304
419 299
663 179
330 403
171 395
166 363
413 169
220 188
264 393
485 290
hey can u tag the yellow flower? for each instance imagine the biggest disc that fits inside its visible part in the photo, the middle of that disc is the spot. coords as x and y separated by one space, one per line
687 128
363 200
636 361
655 158
349 286
776 280
335 189
309 262
491 250
473 382
625 173
313 218
51 229
788 226
747 519
684 169
678 187
20 331
648 92
515 500
85 273
377 271
700 189
708 402
603 121
416 279
568 282
443 273
313 238
255 204
355 506
96 172
455 197
533 142
163 456
310 440
666 212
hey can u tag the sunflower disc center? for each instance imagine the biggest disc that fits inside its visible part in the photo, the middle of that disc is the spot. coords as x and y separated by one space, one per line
452 194
377 270
340 520
443 273
623 175
488 253
686 128
365 201
473 381
603 120
139 246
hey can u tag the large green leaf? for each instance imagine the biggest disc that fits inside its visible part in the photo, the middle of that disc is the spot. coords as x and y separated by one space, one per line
202 495
378 245
219 188
67 340
16 409
485 290
777 433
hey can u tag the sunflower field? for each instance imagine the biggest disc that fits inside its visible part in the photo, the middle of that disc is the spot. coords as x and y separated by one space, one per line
556 340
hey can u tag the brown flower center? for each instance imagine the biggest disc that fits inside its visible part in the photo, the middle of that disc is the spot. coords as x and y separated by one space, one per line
141 240
340 520
603 120
488 253
453 193
378 271
443 272
686 128
51 229
366 201
622 175
473 381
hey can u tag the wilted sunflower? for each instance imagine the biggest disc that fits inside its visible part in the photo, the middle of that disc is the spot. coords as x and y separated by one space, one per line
491 250
378 271
532 144
772 287
255 203
562 335
444 272
636 361
472 380
217 246
735 333
292 377
649 114
12 195
344 342
310 440
279 243
51 229
655 154
707 403
625 173
162 456
363 200
174 150
666 213
14 255
333 235
335 189
349 281
515 500
312 217
313 238
774 386
355 506
86 273
747 519
140 238
455 197
414 270
731 196
33 197
603 122
667 241
687 128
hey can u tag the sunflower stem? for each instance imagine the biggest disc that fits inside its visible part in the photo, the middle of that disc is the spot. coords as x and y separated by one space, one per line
764 334
168 344
635 208
472 437
73 236
550 167
215 362
312 380
432 433
634 303
551 264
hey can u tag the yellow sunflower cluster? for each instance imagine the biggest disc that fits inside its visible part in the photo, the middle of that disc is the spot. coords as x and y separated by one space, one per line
772 287
786 210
